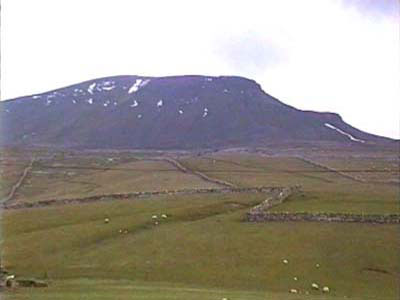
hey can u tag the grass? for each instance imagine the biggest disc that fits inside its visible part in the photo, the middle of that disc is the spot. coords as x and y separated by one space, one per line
65 181
108 289
366 168
12 164
203 243
204 249
322 191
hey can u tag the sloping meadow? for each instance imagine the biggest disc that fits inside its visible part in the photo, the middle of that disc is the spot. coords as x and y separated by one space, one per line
322 190
202 242
160 246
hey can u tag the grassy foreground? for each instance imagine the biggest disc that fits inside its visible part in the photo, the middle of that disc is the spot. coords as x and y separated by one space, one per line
203 249
108 289
204 243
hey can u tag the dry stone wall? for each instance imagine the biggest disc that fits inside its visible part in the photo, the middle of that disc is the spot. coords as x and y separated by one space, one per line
260 213
323 217
127 196
277 197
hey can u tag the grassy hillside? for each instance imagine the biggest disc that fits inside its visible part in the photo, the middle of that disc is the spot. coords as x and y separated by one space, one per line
381 168
108 289
203 249
324 191
83 178
12 164
203 243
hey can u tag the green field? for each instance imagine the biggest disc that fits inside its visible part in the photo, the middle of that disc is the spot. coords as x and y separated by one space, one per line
12 164
365 168
78 178
110 289
204 249
205 243
323 191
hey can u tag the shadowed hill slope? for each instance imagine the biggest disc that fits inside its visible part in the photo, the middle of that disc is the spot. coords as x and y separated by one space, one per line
182 112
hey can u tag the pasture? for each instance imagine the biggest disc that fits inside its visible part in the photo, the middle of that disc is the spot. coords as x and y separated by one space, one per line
203 249
323 190
84 176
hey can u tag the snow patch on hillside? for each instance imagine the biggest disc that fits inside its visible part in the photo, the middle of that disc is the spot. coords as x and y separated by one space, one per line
139 83
108 88
91 88
344 133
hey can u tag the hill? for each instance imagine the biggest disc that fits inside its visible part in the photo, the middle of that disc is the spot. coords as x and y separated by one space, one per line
182 112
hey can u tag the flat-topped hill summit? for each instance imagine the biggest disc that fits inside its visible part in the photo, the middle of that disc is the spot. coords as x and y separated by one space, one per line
180 112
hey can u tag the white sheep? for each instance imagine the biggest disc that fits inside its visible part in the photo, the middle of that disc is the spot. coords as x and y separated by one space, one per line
315 286
325 289
317 265
295 278
10 277
106 220
164 216
154 216
285 261
293 291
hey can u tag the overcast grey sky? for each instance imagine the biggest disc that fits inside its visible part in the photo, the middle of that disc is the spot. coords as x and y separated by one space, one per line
323 55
